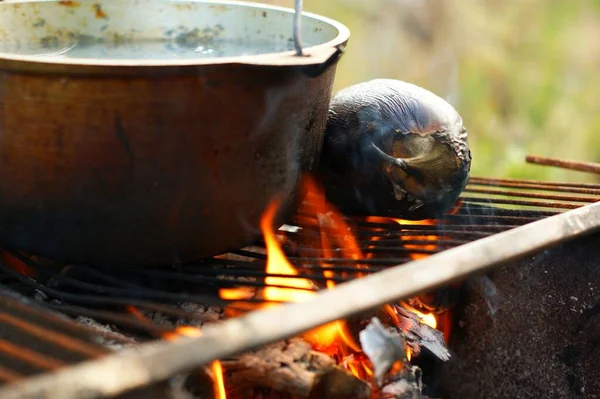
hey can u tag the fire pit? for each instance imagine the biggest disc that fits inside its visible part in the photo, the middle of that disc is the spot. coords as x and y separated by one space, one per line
362 305
527 330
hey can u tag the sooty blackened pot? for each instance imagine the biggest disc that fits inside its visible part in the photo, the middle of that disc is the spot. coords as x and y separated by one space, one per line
147 161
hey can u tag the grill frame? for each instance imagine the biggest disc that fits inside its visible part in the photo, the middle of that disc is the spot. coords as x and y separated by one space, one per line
482 222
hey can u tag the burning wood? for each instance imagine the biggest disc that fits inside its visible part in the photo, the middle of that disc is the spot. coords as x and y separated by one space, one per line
299 368
326 362
292 367
394 375
418 333
155 362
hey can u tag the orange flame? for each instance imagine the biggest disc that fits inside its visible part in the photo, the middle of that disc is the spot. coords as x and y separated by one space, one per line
219 389
284 285
416 237
284 289
300 289
429 237
425 318
332 226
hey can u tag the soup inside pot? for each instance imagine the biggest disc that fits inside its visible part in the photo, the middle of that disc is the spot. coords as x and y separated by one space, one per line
151 29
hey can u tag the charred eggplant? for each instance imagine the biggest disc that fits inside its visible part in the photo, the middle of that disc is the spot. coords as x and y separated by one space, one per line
391 146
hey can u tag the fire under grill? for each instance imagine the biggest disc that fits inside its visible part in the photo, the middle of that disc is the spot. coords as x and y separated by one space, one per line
530 329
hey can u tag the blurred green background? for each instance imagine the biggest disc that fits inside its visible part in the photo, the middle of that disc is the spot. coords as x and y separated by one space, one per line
524 74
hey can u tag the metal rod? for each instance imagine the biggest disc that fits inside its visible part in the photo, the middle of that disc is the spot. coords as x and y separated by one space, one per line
523 194
54 337
482 210
157 361
7 375
298 27
486 180
540 204
513 220
59 322
29 356
143 293
121 319
100 300
590 167
537 187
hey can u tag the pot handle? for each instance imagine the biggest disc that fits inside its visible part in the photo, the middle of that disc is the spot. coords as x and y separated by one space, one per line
314 61
313 71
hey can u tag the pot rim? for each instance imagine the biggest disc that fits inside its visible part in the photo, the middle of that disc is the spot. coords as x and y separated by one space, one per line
313 55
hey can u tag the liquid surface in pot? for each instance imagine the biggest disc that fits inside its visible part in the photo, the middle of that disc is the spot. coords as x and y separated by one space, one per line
147 49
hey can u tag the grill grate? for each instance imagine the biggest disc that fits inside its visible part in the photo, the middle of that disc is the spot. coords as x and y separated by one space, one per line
34 340
109 294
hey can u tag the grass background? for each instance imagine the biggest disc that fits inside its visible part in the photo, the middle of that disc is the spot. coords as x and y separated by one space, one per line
525 75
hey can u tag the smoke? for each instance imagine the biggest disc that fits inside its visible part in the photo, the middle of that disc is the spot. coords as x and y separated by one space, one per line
278 159
485 287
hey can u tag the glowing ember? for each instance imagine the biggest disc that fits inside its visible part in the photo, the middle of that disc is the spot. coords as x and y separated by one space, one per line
425 318
186 331
134 311
16 264
237 294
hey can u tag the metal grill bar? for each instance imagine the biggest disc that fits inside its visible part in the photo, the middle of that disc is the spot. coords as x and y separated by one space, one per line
58 339
535 184
35 340
107 294
572 198
590 167
536 204
7 375
386 242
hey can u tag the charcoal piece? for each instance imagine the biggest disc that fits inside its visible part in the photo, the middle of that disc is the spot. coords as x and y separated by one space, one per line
291 367
383 348
199 384
335 384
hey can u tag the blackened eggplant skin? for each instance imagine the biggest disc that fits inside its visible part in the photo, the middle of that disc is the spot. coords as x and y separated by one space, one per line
393 148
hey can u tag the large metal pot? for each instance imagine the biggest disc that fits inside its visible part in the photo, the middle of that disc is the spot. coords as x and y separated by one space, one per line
155 158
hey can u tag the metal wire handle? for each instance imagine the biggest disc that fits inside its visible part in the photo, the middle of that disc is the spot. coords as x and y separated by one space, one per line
298 27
